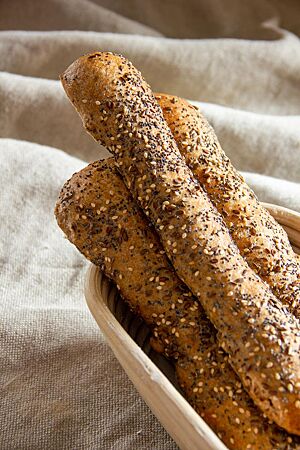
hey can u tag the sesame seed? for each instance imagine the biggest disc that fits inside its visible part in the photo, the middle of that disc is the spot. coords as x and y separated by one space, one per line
171 227
251 320
196 273
84 101
97 102
114 217
130 269
297 404
290 387
194 246
159 288
184 235
269 365
84 216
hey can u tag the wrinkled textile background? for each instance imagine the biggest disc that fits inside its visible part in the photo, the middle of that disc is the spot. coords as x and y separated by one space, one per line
61 387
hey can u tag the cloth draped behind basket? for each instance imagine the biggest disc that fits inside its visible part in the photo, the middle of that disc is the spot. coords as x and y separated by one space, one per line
61 387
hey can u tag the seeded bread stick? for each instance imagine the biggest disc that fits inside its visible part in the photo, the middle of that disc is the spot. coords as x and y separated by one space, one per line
97 213
260 239
261 338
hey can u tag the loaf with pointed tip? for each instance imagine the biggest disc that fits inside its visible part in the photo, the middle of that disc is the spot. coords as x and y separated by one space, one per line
260 336
98 215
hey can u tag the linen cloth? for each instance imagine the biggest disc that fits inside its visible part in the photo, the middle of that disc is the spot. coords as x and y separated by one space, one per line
61 387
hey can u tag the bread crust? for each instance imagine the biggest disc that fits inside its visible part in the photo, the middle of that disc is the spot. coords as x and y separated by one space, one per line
260 239
121 241
261 338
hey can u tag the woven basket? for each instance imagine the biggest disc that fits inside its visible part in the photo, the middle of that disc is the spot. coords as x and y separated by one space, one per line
151 373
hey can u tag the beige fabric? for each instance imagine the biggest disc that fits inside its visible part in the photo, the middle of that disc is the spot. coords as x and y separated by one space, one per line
61 387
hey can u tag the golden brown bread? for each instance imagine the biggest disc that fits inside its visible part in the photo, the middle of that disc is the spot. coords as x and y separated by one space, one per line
261 338
98 215
260 239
